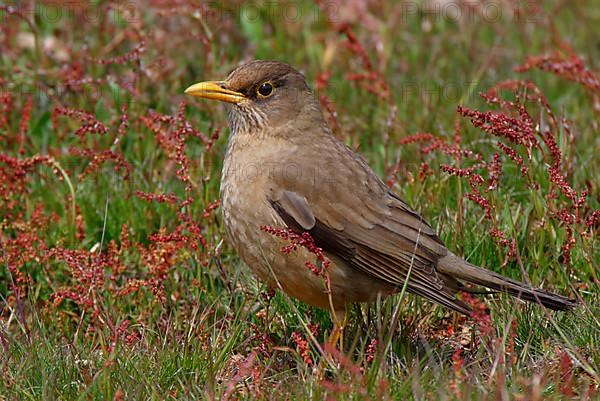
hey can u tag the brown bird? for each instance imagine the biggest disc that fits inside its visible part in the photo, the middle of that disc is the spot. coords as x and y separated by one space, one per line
284 168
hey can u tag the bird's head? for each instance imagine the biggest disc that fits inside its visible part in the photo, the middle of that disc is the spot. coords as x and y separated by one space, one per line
263 94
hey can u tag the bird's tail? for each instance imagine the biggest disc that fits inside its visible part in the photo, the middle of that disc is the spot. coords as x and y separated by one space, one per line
455 267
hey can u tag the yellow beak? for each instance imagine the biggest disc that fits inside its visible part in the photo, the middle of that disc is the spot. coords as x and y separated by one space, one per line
215 90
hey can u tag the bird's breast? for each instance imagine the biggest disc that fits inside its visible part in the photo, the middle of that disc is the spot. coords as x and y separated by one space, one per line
247 180
251 171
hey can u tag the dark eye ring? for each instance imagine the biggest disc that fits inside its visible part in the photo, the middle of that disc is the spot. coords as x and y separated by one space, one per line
266 89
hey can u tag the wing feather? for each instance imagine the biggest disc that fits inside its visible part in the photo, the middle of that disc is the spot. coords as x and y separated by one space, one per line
390 261
359 220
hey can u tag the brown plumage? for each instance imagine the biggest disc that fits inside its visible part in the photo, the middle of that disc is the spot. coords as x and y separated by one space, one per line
283 167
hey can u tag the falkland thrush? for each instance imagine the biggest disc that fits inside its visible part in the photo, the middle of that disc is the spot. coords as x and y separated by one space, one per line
284 168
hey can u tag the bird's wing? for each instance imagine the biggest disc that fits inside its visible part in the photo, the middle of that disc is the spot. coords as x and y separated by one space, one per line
356 218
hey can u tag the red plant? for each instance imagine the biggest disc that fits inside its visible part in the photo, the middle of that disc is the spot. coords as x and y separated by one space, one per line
246 368
170 199
6 105
371 79
100 274
322 83
302 348
357 381
90 124
99 157
304 240
566 373
522 136
24 124
371 350
570 67
457 364
14 177
133 55
480 315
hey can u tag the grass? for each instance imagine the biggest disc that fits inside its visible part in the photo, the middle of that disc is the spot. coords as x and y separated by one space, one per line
116 283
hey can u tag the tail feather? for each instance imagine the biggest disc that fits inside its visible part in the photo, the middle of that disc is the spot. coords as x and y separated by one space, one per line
457 268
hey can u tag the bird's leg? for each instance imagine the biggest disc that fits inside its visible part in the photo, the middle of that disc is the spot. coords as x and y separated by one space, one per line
339 319
338 316
336 336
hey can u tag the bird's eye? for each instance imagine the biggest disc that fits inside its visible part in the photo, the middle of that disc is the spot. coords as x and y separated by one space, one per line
265 90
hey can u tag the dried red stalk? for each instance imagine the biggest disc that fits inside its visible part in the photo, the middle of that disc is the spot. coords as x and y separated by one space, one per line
457 365
419 137
322 83
302 348
99 157
6 107
370 79
357 382
87 269
566 373
392 174
371 350
246 368
211 208
495 172
90 124
516 130
79 223
436 143
515 124
425 171
14 178
170 199
172 140
123 120
480 315
24 124
133 55
570 67
171 133
304 240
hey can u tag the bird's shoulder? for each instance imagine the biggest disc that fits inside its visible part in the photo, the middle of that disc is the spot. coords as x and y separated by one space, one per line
343 193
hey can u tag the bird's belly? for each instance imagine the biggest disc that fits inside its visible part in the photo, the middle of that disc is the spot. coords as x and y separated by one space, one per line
244 212
243 216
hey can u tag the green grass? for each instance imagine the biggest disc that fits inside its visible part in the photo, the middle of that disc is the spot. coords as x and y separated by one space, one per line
201 326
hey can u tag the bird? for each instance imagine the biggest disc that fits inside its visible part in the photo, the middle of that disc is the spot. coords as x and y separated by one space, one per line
283 167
